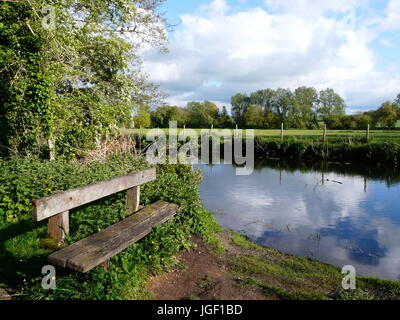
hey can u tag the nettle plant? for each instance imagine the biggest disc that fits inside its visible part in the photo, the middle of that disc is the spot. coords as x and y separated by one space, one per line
71 71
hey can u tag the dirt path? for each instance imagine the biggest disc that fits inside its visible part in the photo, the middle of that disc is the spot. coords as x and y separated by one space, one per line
206 276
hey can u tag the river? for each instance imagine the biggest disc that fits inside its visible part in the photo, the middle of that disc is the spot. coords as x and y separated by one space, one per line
340 214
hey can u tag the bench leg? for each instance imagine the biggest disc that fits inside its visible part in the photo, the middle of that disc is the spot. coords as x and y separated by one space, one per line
105 265
58 226
132 200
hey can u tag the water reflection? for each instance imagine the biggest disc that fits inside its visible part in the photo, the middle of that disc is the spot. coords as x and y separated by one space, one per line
336 213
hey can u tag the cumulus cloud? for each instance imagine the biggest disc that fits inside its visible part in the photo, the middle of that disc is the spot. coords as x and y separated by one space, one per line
392 19
277 45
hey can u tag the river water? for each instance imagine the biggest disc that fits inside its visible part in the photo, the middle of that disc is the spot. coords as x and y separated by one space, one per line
340 214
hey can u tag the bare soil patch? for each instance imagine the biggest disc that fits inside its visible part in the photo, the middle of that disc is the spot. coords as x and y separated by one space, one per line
205 276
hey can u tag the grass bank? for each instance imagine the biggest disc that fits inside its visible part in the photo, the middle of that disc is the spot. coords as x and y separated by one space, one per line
238 269
340 149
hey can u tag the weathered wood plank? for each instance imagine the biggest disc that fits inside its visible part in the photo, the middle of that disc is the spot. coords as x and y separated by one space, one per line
132 200
99 239
89 260
58 226
63 201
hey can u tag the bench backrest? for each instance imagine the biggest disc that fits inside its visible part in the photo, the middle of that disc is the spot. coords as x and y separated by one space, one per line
56 206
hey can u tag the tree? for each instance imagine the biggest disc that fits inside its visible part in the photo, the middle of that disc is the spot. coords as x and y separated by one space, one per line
283 103
302 114
240 104
387 114
254 117
224 112
263 98
73 76
162 116
202 114
330 104
397 100
142 118
224 119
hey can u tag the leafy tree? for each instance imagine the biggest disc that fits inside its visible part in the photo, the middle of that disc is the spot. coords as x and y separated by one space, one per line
73 76
240 104
330 104
303 114
387 114
283 102
397 100
202 114
264 99
254 117
225 120
142 118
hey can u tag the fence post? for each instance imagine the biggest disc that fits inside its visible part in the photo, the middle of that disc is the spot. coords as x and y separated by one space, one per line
282 131
325 129
368 133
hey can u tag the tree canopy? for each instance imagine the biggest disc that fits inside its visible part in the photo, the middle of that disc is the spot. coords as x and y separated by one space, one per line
71 70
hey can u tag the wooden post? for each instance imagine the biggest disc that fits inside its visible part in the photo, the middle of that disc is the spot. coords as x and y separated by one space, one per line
325 130
132 200
58 226
282 128
368 133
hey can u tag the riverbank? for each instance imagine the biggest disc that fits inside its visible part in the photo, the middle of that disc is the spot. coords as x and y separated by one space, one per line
339 148
238 269
249 271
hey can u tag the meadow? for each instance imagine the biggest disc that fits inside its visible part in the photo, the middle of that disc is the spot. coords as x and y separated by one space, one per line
378 135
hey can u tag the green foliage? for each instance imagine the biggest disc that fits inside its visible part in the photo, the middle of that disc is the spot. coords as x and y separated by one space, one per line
339 149
65 86
21 250
202 115
388 114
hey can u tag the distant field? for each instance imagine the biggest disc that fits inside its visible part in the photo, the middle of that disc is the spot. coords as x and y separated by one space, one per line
375 134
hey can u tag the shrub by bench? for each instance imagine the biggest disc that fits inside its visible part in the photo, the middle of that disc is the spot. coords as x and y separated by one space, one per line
98 248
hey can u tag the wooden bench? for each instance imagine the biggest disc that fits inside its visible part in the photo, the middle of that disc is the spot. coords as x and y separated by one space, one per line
97 249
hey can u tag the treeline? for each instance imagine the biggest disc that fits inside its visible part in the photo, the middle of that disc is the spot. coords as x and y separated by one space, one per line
303 108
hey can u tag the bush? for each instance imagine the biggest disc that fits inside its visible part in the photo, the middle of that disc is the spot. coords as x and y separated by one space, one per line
341 149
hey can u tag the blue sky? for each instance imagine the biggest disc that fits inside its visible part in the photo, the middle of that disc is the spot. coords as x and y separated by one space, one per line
222 47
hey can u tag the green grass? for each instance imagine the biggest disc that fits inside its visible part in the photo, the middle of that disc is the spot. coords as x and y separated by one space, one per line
286 277
374 134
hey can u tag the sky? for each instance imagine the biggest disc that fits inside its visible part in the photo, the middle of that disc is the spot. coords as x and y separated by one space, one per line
222 47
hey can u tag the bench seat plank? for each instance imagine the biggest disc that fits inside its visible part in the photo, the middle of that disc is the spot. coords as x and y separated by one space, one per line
92 251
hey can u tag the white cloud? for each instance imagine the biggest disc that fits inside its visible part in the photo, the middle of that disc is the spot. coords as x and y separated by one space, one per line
259 48
392 19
